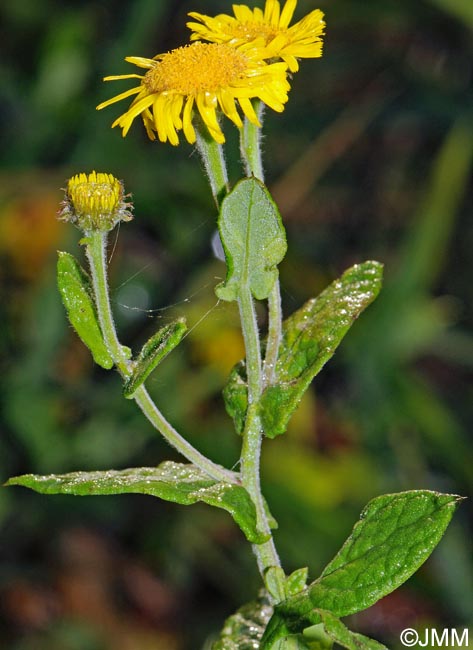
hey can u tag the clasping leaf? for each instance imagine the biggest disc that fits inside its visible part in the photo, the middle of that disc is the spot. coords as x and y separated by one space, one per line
253 239
152 353
310 337
77 296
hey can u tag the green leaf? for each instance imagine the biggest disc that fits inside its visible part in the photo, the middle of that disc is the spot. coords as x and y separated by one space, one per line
77 296
244 629
152 353
184 484
297 581
310 337
340 634
235 395
274 577
395 535
253 239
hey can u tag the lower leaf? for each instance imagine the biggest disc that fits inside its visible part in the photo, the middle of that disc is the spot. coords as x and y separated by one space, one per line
395 535
177 482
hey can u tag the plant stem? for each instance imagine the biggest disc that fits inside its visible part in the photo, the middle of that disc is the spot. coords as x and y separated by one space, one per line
266 554
250 143
96 250
214 162
250 147
274 337
96 255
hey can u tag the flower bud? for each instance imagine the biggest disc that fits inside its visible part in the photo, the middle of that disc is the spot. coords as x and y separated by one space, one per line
95 201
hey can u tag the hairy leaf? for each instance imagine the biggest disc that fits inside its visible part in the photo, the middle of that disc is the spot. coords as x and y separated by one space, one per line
184 484
77 296
153 352
310 337
253 239
395 535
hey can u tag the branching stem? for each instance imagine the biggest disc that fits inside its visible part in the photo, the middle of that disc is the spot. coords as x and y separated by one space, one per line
96 254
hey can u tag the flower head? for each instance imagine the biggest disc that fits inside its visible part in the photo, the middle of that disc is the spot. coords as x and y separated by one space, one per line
202 77
95 201
269 28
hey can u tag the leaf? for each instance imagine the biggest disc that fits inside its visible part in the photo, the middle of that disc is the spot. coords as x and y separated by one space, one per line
274 579
296 581
310 337
177 482
152 353
340 634
77 296
253 239
235 395
395 535
244 629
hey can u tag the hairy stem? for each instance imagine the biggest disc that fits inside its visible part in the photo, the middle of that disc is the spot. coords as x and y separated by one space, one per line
274 334
250 148
96 254
214 162
250 143
266 554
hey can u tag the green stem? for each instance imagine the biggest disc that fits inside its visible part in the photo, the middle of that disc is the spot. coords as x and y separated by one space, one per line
96 251
250 147
214 162
96 254
250 143
273 340
266 554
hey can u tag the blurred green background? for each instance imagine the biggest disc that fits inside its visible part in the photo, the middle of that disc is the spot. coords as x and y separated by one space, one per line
371 159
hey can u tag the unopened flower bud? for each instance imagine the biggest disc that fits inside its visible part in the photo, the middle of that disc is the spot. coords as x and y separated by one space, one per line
95 201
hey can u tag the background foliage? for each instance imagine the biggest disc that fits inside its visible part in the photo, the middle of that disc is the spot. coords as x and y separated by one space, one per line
371 159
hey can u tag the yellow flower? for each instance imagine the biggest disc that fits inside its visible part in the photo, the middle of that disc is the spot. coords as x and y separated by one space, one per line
95 201
269 28
202 77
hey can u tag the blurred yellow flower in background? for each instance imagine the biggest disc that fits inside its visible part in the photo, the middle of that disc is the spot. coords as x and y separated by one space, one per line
269 28
207 77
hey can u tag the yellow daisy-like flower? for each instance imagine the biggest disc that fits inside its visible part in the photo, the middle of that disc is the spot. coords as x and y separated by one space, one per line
269 28
206 77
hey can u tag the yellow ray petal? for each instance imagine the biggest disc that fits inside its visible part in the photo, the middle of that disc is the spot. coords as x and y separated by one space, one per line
117 98
287 13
